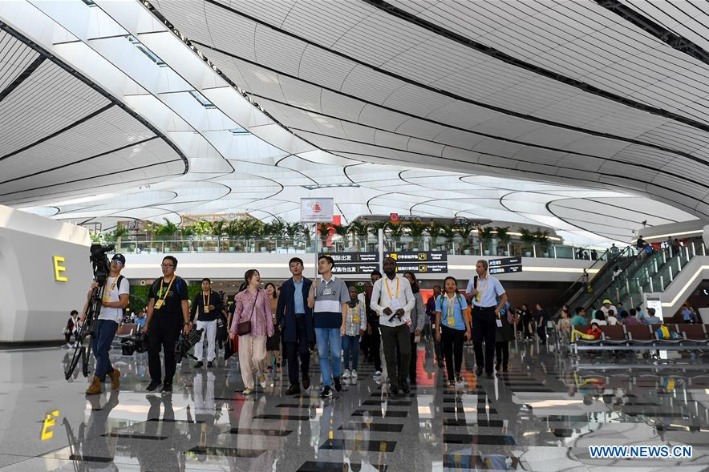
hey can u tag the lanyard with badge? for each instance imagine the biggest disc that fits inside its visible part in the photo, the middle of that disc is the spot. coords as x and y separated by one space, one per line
354 312
450 311
205 302
395 303
107 298
161 301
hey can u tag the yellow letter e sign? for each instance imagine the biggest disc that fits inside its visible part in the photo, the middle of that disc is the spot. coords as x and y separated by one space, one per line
58 269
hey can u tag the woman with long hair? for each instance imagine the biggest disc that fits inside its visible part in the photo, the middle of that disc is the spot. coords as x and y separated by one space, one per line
252 305
273 343
418 319
455 328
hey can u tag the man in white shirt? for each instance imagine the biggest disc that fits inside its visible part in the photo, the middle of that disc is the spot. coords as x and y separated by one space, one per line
607 306
487 298
116 293
393 300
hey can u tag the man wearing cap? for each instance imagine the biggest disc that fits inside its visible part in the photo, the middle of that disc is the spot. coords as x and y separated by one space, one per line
115 299
607 306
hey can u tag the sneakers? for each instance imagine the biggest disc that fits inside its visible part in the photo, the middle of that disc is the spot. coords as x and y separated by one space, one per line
458 377
167 387
353 374
338 384
394 392
306 382
247 391
377 375
153 385
95 387
115 376
346 374
326 392
294 389
405 388
210 364
198 365
262 380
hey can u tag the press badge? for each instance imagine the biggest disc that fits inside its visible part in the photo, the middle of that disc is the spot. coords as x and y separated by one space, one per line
451 321
355 318
499 323
206 309
158 304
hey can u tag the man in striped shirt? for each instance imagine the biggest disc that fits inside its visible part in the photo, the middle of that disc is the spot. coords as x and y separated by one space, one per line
329 297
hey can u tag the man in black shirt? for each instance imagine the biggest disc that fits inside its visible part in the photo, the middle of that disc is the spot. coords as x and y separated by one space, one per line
168 314
207 305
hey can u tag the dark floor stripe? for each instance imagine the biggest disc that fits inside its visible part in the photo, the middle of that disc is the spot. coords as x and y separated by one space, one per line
135 436
479 423
372 446
487 439
376 427
226 452
283 417
312 466
260 432
75 457
450 409
174 421
378 413
389 403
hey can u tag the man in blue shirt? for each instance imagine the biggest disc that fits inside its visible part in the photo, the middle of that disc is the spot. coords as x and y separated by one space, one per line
295 320
487 298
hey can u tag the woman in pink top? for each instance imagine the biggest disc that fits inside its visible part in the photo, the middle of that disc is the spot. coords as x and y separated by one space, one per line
253 305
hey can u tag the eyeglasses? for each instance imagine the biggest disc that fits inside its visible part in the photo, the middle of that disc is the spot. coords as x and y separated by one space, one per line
166 266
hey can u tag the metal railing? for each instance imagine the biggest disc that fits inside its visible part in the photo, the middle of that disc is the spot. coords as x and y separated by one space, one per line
454 246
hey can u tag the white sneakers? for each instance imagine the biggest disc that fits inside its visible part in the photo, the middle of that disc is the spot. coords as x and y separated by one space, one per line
346 374
353 374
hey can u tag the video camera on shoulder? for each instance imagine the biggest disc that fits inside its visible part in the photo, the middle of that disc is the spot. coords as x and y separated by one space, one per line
99 261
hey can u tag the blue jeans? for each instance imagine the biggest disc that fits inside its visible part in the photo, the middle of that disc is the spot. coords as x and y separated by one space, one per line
101 344
350 348
329 341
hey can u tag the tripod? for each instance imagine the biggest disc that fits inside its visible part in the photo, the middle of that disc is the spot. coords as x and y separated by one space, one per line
82 351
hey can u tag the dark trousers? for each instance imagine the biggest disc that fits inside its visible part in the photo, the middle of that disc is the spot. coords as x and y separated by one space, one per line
102 339
163 334
374 342
414 358
396 338
452 346
484 329
542 331
299 347
502 353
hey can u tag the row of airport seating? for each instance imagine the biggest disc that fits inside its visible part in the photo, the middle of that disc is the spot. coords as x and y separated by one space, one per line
644 337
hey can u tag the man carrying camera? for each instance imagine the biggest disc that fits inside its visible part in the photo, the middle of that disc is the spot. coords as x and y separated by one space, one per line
206 306
393 300
116 293
168 314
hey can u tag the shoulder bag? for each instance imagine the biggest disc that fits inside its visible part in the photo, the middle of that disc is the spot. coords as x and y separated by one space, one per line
245 326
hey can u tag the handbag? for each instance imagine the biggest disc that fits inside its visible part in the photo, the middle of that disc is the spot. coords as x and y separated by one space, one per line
244 327
222 332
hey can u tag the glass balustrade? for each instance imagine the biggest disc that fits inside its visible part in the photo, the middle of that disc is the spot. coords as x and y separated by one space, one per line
452 246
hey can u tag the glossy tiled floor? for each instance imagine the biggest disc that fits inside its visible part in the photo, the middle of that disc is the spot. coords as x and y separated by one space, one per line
541 416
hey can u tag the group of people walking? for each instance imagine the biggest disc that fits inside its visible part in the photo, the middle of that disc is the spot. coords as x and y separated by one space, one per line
304 313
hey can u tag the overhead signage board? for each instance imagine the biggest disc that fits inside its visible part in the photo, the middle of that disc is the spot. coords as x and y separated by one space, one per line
353 262
421 262
505 265
316 210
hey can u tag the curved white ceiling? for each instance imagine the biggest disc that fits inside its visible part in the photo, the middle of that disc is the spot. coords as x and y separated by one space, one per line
561 114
